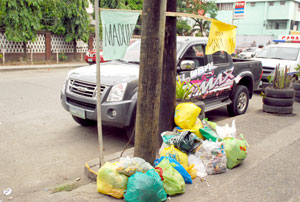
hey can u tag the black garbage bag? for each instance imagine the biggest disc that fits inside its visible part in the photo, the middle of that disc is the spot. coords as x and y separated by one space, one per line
186 141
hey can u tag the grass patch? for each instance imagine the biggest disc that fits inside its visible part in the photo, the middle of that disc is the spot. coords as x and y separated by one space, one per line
65 187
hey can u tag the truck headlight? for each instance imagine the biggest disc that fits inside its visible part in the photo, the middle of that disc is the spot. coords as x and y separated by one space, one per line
117 92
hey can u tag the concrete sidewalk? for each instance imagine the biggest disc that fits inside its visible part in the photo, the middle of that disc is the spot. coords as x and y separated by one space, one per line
270 172
41 66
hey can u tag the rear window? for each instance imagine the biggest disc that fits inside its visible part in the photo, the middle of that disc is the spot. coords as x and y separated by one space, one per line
281 53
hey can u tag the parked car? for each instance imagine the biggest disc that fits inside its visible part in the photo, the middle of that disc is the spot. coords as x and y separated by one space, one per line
248 53
90 57
218 80
282 54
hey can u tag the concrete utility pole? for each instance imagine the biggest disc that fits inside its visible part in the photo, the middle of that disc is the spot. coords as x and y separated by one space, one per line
99 120
149 93
168 87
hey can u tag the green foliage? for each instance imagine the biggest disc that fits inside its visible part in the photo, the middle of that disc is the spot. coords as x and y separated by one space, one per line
183 89
50 11
199 7
281 79
73 20
1 56
298 71
183 29
22 19
62 57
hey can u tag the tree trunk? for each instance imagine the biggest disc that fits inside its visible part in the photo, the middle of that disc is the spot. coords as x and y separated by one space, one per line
168 87
151 62
75 50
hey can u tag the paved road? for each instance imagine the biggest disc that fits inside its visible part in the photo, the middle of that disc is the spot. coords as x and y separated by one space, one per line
40 144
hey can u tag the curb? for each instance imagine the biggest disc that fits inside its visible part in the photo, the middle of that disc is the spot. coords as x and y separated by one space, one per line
33 67
91 167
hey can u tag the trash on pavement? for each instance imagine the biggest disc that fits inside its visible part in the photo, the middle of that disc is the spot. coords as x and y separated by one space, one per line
176 154
186 141
173 182
186 176
213 156
209 134
167 135
236 151
226 131
110 182
195 129
145 187
199 166
186 115
7 191
128 166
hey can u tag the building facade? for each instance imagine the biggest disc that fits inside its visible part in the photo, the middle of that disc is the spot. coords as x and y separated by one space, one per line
264 20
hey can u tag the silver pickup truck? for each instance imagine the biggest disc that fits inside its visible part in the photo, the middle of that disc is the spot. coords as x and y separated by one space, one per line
219 81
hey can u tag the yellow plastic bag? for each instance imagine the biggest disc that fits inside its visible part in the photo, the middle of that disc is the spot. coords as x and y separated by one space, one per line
176 154
191 170
110 182
195 129
186 115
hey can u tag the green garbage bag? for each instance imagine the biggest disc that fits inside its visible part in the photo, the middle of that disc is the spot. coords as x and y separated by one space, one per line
173 181
209 134
145 187
236 150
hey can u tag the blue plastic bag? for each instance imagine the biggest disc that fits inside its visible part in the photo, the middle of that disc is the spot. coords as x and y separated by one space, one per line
145 187
186 176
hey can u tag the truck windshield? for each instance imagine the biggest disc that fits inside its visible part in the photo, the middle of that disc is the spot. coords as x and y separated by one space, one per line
133 52
281 53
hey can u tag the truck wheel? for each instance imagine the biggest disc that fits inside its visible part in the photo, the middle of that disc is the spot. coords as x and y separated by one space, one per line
84 122
240 101
130 132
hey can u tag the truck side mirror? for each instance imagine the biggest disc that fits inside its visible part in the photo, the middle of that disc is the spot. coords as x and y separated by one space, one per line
187 65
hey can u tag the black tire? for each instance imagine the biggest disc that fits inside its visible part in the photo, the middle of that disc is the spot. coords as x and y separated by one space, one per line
277 109
278 101
240 101
130 132
297 99
84 122
297 93
296 85
279 93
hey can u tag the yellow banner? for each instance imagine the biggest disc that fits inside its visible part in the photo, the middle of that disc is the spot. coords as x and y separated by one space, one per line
222 37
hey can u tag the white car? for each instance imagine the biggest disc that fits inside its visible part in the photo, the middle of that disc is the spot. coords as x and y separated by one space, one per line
282 55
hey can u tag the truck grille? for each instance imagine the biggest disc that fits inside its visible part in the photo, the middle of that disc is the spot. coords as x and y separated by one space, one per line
81 104
268 70
83 88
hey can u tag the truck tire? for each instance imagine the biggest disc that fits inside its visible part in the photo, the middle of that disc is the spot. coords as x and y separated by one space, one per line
277 109
240 101
278 101
297 99
278 93
296 86
84 122
130 132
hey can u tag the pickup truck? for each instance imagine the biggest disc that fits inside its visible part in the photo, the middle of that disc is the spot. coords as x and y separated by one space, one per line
282 55
219 81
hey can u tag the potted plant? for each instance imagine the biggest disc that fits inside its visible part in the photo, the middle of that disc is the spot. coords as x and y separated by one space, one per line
279 97
296 85
184 91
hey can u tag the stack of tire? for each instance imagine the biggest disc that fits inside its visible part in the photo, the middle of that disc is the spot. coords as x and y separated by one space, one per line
278 101
296 87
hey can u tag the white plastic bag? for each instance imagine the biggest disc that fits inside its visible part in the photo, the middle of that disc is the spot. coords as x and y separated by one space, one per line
226 131
213 157
193 159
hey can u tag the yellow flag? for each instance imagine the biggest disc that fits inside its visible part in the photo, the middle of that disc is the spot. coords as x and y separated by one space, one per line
222 37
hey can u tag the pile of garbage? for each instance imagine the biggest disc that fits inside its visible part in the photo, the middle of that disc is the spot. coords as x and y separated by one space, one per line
195 148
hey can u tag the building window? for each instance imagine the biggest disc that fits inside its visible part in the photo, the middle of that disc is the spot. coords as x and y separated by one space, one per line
252 4
282 3
271 3
225 6
277 24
